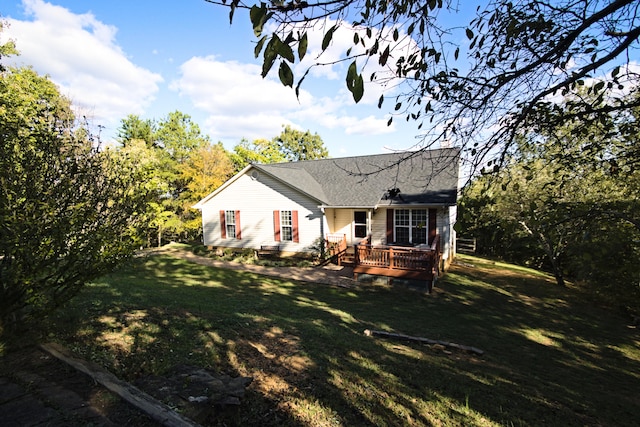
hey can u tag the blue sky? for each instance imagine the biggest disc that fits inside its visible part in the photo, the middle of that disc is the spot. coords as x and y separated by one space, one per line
120 57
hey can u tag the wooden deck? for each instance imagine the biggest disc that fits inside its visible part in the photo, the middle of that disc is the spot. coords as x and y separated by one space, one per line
412 263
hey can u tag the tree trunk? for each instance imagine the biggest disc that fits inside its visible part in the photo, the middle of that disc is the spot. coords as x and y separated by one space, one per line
549 251
559 277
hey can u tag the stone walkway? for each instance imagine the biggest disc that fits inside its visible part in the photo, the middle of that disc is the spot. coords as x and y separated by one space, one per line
36 389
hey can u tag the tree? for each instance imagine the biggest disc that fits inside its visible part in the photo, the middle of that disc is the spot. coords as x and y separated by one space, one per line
207 168
290 146
570 193
8 48
478 93
297 145
69 212
185 165
178 136
260 151
134 128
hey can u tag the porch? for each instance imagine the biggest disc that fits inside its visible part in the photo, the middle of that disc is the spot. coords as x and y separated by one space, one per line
420 262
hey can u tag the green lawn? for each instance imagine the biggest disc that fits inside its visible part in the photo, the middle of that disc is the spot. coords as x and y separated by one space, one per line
550 357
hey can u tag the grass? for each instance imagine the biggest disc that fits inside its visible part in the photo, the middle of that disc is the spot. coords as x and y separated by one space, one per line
550 357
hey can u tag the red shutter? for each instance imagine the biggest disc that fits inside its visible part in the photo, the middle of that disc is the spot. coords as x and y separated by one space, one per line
223 225
389 226
294 221
276 226
433 231
238 230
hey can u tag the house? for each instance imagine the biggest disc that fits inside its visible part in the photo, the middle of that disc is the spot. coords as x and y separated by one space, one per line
402 198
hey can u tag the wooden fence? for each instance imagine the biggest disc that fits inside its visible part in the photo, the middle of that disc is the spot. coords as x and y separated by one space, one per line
466 246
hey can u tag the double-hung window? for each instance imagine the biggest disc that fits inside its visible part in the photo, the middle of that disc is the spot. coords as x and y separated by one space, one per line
286 226
410 226
230 224
360 224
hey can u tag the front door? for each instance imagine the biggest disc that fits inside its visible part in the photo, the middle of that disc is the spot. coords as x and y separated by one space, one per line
360 225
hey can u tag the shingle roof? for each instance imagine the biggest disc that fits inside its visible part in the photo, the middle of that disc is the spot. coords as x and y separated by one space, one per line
422 177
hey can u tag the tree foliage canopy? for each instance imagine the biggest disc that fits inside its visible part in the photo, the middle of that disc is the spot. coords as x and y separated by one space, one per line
69 212
297 145
185 166
291 145
476 83
567 200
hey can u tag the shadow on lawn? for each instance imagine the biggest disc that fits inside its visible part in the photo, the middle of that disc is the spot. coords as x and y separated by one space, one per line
549 359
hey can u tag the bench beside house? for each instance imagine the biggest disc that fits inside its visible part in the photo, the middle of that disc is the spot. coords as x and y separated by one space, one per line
400 199
268 251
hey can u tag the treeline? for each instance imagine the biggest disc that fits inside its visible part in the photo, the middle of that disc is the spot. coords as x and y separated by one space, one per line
184 166
567 200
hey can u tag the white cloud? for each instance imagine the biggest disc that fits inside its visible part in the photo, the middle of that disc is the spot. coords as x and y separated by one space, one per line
332 64
238 102
241 104
80 54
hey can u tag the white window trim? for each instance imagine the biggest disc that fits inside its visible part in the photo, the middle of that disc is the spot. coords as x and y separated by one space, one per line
230 220
287 226
411 225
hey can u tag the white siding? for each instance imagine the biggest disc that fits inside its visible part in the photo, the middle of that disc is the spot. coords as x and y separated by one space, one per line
342 223
379 227
256 199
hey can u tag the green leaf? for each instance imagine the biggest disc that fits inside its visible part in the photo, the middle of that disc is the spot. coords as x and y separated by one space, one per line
615 71
302 46
232 10
380 101
270 55
284 50
598 86
327 37
469 34
384 56
358 90
285 74
258 48
395 35
259 16
355 82
300 83
352 72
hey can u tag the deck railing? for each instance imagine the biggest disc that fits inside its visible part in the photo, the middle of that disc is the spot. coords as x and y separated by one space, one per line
336 245
419 263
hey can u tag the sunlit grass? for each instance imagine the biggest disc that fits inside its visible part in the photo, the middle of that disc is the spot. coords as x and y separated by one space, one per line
550 358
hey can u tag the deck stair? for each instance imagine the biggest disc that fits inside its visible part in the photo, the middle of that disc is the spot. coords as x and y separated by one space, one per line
348 257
